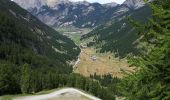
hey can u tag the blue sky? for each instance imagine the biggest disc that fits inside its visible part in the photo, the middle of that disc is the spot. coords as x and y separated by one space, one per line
103 1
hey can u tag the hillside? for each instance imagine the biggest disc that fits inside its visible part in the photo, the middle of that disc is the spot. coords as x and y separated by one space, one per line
24 40
21 28
118 35
34 57
123 53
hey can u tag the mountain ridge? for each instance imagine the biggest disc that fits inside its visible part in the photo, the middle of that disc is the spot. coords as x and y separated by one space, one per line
80 14
52 3
134 4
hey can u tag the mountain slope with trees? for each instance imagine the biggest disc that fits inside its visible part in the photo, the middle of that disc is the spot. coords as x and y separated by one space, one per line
25 41
34 57
118 35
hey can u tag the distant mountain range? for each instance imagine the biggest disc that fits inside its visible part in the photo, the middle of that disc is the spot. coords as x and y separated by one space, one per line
82 14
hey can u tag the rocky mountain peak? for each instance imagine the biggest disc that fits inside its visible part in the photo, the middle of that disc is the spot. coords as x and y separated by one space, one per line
52 3
81 2
112 4
26 4
134 4
82 14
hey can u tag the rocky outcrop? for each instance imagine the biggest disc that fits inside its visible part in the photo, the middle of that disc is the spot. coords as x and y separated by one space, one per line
82 14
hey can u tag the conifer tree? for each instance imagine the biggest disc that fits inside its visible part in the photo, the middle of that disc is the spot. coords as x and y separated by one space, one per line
26 78
152 81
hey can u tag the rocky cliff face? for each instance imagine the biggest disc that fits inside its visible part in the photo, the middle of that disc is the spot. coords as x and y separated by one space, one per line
27 4
59 13
134 4
82 14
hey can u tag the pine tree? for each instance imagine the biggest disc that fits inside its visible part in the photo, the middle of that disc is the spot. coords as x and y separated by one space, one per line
8 79
152 81
26 78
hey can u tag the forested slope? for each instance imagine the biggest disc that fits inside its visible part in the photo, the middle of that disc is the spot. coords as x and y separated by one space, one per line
34 57
118 35
152 81
21 29
26 40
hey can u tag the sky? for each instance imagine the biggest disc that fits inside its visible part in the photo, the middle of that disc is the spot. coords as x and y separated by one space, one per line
103 1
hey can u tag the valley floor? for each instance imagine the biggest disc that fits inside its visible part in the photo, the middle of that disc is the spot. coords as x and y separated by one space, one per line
101 64
90 62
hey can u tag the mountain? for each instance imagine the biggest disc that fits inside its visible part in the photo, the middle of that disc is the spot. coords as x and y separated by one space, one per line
25 39
134 4
82 14
112 4
31 53
61 13
27 4
104 17
118 35
34 57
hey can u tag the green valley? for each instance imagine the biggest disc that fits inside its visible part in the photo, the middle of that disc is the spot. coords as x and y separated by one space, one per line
118 35
80 50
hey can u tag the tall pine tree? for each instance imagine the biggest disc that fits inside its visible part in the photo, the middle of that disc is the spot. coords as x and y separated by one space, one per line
26 78
152 81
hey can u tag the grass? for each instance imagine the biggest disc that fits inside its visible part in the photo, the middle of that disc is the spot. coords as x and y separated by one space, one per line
76 38
6 98
10 97
73 33
105 64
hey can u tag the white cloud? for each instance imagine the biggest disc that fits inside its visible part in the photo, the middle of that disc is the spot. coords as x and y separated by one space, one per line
103 1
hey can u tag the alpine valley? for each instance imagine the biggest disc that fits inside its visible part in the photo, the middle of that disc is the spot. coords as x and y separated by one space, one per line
78 50
111 29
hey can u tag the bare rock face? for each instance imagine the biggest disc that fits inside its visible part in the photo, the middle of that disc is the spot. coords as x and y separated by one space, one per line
134 4
52 3
113 4
59 13
39 3
82 14
26 4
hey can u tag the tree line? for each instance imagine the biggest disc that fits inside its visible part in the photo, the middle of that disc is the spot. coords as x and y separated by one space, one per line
25 79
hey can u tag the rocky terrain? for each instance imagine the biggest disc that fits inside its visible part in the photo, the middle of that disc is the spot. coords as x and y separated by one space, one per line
82 14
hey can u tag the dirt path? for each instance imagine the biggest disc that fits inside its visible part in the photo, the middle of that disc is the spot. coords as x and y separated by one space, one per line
70 92
77 62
